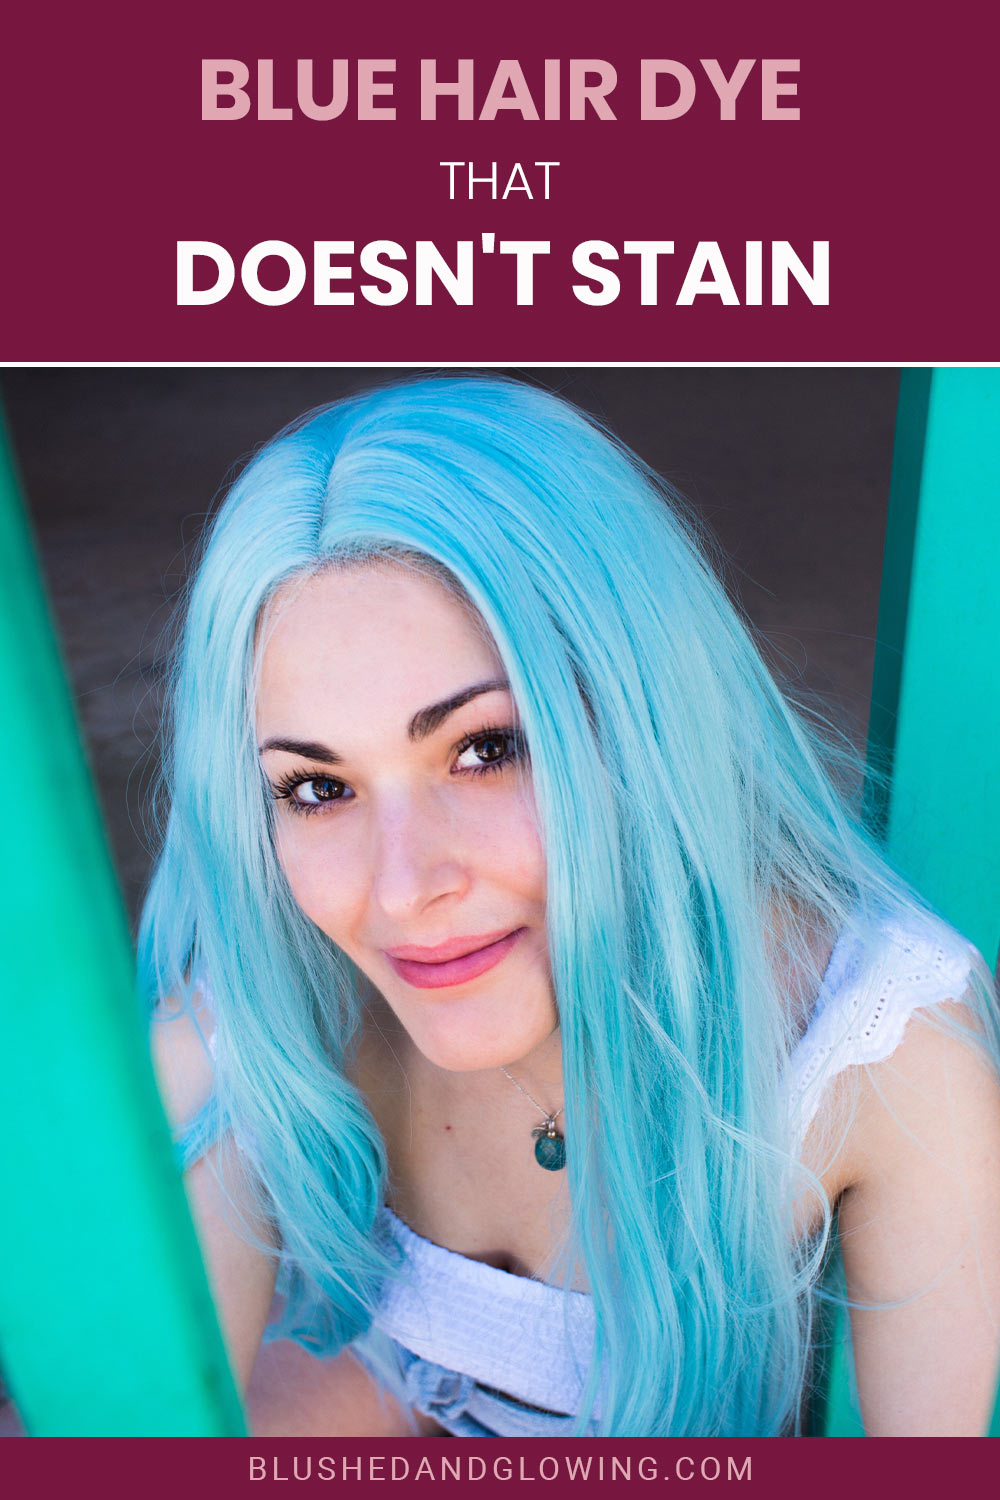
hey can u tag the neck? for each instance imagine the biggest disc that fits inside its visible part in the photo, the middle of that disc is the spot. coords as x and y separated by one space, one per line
540 1073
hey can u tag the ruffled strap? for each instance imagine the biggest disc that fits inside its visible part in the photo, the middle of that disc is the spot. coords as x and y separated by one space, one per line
876 979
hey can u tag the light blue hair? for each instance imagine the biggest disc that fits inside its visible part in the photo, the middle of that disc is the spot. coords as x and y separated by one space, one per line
696 844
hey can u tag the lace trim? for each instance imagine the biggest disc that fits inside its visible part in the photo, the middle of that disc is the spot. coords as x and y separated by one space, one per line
874 983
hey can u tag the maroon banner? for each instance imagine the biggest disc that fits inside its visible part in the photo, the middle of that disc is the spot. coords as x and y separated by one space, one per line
574 182
774 1468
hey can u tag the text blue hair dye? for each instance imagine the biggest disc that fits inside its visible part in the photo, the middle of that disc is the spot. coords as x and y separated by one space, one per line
695 846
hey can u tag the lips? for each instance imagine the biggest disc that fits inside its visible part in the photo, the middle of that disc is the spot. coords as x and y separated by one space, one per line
454 962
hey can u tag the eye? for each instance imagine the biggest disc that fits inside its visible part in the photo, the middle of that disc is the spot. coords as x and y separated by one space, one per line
489 750
309 794
320 789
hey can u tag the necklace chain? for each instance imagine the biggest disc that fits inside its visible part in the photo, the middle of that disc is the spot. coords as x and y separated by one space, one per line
544 1112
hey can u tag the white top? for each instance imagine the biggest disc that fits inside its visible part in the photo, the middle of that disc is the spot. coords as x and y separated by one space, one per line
533 1340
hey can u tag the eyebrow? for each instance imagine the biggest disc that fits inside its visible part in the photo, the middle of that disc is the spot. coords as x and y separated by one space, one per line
427 720
423 723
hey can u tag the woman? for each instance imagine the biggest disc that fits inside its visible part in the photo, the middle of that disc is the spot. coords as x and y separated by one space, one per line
530 996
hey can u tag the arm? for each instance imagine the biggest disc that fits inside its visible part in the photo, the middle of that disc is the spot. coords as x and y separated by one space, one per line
920 1225
241 1277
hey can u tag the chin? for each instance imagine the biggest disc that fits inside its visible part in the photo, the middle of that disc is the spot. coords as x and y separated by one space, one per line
459 1060
458 1048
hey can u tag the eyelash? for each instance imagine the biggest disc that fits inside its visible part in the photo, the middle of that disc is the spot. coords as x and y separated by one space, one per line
516 748
284 789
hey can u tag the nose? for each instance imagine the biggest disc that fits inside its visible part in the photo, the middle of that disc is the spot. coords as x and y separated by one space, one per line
416 861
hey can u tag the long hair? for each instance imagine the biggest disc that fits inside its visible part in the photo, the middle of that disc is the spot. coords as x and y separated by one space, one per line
696 843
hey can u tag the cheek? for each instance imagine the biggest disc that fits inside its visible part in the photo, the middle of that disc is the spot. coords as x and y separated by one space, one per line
495 837
524 842
523 859
325 881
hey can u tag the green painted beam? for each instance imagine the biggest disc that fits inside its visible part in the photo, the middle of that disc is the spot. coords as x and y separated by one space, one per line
842 1414
835 1411
106 1323
935 721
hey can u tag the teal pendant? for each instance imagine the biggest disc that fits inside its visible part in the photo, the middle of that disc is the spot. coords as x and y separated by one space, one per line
550 1148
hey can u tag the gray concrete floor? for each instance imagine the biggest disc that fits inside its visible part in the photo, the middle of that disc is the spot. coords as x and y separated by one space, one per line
790 469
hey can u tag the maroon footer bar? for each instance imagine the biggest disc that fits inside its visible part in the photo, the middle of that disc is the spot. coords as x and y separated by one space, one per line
771 1467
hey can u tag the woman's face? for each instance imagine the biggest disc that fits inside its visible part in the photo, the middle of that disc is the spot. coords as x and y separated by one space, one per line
404 816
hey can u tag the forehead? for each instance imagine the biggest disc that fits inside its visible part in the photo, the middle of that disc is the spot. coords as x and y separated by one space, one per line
368 643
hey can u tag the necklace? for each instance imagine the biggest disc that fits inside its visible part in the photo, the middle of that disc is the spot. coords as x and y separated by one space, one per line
550 1147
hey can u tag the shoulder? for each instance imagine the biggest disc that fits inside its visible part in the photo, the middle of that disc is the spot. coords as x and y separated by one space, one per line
908 1026
919 1222
932 1103
900 998
183 1047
